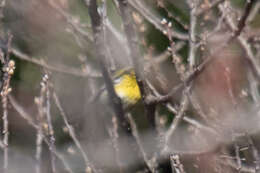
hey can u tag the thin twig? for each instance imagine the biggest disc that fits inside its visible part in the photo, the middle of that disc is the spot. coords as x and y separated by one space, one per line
114 136
253 12
42 125
255 153
192 33
254 92
189 120
22 112
154 19
237 154
135 54
69 19
49 122
242 22
124 126
176 164
201 11
8 71
100 52
179 65
26 116
233 164
193 71
242 40
179 116
60 69
38 153
195 104
132 40
72 132
152 162
162 5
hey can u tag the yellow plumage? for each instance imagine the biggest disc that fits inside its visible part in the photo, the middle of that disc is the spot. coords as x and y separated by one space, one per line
127 88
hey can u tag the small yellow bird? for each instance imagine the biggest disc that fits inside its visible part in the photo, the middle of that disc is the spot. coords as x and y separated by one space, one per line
125 86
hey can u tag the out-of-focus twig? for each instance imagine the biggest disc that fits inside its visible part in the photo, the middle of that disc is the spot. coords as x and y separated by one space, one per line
8 71
192 33
72 132
97 27
69 19
233 164
22 112
44 127
237 153
101 54
50 131
176 164
189 120
60 69
154 19
26 116
255 153
135 54
201 11
152 162
38 153
132 39
171 15
176 121
114 137
242 22
179 65
242 40
253 12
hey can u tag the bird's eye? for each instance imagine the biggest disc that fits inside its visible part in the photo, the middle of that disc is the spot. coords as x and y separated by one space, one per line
117 80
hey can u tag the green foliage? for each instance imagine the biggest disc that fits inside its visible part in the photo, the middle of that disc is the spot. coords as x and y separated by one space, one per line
238 3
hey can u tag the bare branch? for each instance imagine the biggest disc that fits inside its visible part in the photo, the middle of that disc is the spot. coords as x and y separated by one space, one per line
152 162
69 19
242 22
255 153
189 120
233 164
72 132
60 69
176 164
52 147
179 116
253 12
8 71
171 15
136 56
201 11
20 110
192 34
114 137
242 40
154 19
100 52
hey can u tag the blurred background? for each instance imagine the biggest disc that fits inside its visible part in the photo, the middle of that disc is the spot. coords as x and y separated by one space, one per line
55 127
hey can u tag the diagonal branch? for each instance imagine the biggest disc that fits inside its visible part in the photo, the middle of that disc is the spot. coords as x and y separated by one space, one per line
59 69
72 132
101 55
242 40
20 110
154 19
242 22
201 11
